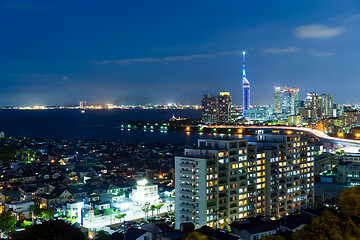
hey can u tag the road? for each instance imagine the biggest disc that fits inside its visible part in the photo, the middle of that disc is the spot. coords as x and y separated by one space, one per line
134 213
321 135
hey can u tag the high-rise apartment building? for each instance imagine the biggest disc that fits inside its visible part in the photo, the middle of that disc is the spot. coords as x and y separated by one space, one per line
210 110
216 109
327 104
224 103
222 180
286 100
246 89
314 101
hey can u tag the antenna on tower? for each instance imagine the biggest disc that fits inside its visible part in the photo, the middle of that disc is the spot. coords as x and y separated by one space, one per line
244 73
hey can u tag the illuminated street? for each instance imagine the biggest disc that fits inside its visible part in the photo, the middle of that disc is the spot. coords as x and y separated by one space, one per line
316 133
133 214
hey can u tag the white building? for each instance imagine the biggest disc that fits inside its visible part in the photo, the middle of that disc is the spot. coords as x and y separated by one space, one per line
145 193
222 180
21 209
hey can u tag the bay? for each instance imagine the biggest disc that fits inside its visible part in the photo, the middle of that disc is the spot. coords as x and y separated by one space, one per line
102 124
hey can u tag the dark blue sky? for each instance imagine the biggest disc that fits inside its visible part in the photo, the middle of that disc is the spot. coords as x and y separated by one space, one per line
129 51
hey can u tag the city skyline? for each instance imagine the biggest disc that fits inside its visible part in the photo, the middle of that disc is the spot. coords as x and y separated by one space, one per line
120 53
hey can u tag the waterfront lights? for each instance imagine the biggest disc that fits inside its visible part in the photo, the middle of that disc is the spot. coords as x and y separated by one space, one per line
187 128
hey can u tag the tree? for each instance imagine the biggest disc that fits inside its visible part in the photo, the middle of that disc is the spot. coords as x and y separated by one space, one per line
109 211
47 213
32 209
349 202
329 226
158 207
96 212
120 216
7 221
152 208
196 236
49 230
170 207
28 153
7 154
272 237
343 224
146 209
25 224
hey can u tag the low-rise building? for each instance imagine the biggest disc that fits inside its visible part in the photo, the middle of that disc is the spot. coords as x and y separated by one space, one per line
21 210
10 196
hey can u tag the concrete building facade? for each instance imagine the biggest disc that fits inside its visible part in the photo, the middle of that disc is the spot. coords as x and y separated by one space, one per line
222 180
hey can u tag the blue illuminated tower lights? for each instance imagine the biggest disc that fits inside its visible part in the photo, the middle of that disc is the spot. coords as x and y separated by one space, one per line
246 89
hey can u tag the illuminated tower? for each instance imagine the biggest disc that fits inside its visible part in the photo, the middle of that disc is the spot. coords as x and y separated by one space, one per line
246 89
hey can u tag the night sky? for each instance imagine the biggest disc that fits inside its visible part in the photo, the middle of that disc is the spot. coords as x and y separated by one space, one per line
57 52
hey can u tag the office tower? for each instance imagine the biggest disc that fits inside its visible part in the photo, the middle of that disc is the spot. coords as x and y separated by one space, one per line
308 114
209 110
314 101
311 100
82 104
246 89
277 100
286 100
327 105
224 105
222 180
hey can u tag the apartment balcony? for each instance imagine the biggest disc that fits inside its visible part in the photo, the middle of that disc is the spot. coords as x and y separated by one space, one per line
191 207
186 179
187 165
186 172
187 212
187 199
186 219
187 192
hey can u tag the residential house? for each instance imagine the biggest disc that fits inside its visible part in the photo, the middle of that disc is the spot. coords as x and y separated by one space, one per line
46 200
137 234
28 192
253 228
10 196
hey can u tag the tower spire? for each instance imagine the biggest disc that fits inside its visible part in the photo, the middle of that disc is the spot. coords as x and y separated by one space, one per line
246 89
244 72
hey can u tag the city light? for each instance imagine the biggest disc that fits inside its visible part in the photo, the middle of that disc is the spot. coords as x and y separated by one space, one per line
142 182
